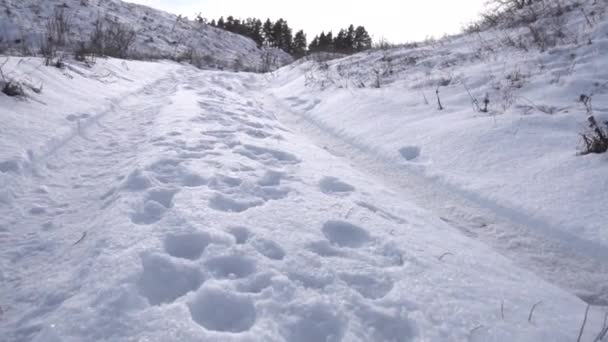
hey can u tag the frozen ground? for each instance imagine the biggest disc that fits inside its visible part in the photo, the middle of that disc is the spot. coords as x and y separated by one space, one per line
187 211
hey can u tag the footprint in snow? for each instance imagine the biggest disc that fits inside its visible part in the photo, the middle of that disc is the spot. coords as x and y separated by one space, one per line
217 309
224 203
410 153
315 321
332 185
232 266
163 280
344 234
241 234
371 286
267 155
187 245
268 248
156 203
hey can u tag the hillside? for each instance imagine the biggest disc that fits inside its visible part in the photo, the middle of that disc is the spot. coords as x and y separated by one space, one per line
518 161
159 35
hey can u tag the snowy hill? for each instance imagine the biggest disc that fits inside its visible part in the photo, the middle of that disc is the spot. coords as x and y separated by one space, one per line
159 35
153 201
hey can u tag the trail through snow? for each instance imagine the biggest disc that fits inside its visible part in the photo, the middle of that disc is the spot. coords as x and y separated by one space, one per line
189 213
575 264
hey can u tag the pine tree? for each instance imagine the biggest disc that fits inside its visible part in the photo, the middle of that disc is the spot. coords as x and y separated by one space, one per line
256 32
268 33
314 45
350 39
277 34
326 42
220 23
299 44
362 39
340 42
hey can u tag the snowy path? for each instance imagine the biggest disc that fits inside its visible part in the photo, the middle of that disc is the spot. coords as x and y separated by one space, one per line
576 265
191 213
66 183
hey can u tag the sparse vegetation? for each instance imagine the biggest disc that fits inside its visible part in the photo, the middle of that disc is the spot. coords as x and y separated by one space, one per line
8 86
595 140
55 39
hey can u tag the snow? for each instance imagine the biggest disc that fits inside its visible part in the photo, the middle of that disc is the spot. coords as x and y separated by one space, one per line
511 177
175 204
189 212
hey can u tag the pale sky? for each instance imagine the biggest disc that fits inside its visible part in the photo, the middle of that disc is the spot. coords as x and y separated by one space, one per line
398 21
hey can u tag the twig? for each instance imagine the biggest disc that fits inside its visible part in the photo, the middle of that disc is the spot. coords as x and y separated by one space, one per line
350 212
438 99
440 258
475 329
474 101
2 64
426 101
532 311
604 331
84 235
580 333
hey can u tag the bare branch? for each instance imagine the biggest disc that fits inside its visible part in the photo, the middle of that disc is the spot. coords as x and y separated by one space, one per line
532 311
580 333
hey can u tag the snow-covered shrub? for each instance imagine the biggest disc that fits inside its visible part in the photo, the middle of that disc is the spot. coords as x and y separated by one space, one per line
8 86
595 140
12 88
542 22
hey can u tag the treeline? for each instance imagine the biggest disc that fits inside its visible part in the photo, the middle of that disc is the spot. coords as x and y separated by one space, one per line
347 41
278 34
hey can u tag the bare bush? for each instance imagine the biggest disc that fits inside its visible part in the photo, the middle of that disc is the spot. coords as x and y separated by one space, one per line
595 140
109 38
193 57
85 54
55 40
268 61
118 39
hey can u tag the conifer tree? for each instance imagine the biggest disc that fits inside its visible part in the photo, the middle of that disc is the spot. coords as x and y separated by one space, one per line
268 33
299 44
362 39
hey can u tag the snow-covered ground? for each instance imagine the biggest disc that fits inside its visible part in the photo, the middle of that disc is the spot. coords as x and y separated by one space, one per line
511 177
186 211
146 201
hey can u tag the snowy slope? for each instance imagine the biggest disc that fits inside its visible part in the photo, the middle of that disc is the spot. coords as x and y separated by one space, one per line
188 212
510 177
160 35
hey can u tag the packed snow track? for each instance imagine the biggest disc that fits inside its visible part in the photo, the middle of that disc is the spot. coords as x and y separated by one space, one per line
186 211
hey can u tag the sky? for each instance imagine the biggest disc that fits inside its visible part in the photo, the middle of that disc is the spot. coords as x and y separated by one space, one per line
398 21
